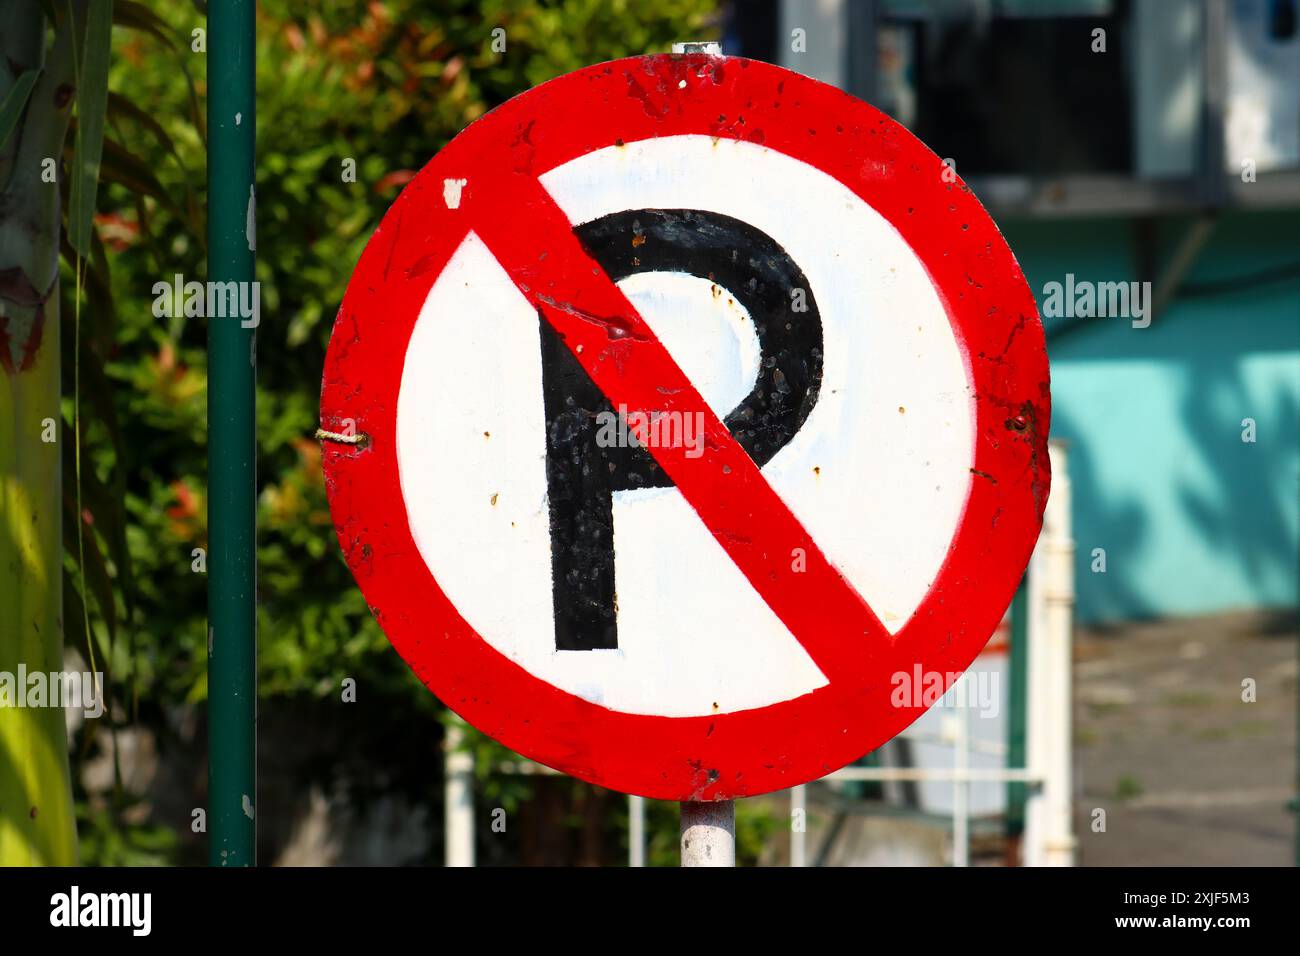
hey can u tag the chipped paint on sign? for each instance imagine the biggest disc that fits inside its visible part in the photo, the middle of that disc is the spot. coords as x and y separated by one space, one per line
451 189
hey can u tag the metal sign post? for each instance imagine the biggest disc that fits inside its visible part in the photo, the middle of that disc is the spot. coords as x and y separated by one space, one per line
232 443
708 833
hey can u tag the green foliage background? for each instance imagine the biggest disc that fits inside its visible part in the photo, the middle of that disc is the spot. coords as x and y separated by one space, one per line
383 85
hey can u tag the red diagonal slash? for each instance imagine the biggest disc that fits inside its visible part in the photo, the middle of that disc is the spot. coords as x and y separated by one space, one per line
618 350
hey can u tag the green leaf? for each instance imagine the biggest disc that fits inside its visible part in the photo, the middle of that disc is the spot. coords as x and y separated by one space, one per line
13 104
118 165
125 168
119 105
97 579
92 104
136 16
98 310
74 635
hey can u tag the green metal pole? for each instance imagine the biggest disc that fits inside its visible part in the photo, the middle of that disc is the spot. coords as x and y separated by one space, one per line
232 451
1018 694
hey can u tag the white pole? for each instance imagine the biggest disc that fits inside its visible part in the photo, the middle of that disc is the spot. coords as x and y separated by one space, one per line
961 789
635 831
799 825
458 798
708 833
1049 830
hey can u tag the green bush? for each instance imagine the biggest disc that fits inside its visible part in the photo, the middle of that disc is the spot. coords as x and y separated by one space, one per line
380 85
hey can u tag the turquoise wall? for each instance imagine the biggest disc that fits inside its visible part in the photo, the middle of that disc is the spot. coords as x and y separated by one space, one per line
1192 519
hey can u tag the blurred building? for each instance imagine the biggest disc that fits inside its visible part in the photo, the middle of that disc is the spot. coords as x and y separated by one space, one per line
1123 141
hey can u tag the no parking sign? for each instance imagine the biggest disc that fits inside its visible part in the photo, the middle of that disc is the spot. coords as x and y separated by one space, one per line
698 403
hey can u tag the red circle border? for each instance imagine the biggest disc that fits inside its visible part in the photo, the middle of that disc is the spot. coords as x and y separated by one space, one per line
994 318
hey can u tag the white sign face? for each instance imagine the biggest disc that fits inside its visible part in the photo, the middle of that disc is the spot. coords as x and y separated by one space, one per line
878 471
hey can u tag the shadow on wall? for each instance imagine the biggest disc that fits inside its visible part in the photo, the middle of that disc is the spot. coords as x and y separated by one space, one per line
1188 517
